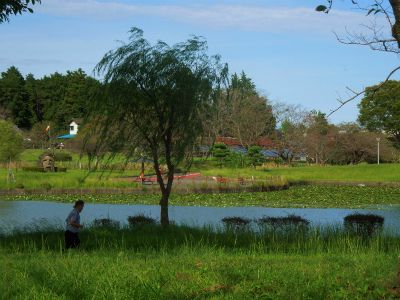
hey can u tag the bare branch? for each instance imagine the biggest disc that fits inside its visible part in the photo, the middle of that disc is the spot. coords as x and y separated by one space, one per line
365 90
377 41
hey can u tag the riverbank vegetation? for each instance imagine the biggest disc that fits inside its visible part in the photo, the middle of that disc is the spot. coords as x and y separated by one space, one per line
296 197
116 174
180 262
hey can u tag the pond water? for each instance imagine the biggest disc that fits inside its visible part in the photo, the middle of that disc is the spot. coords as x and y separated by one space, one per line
17 214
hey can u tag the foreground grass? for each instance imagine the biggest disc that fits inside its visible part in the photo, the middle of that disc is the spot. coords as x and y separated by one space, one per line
296 196
180 262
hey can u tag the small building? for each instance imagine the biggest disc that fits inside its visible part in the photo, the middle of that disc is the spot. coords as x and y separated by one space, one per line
73 125
73 128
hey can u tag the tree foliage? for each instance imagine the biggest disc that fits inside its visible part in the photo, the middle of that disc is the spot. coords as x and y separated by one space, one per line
152 97
382 112
11 144
14 97
240 112
14 7
319 139
221 154
254 157
56 98
354 145
289 139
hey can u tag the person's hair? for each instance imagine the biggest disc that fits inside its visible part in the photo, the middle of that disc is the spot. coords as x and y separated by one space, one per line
79 202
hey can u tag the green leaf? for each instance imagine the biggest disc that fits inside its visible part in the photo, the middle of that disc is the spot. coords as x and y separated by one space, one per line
321 8
370 11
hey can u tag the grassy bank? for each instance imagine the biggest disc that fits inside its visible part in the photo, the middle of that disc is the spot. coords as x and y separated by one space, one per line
75 177
198 263
296 196
82 178
379 173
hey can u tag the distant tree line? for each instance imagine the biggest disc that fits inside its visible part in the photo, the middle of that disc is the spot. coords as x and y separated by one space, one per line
237 111
56 98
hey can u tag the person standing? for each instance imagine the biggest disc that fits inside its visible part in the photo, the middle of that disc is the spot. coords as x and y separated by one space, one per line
73 225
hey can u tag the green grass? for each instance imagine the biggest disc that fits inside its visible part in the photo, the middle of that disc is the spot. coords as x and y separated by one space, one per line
181 262
296 196
69 179
81 178
379 173
73 178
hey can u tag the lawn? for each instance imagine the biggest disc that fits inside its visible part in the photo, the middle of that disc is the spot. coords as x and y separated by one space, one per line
75 177
180 262
152 262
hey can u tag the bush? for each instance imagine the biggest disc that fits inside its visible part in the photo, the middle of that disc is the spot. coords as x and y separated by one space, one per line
106 223
63 170
140 220
290 220
32 169
45 185
363 224
235 223
62 156
19 185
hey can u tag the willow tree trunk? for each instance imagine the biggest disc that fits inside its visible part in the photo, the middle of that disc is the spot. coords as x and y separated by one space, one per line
10 175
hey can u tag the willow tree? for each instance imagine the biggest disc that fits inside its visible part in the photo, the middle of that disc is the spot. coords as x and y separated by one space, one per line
151 100
11 146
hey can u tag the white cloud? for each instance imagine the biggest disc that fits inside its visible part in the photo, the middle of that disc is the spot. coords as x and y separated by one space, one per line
215 17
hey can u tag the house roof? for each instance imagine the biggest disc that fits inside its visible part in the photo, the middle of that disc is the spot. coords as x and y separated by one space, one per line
68 136
76 120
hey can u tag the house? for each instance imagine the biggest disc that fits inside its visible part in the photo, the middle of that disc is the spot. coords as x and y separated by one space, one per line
73 128
73 125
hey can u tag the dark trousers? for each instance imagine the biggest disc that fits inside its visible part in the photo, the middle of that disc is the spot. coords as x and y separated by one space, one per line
72 240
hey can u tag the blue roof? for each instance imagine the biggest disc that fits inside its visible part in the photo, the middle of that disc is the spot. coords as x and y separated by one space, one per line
68 136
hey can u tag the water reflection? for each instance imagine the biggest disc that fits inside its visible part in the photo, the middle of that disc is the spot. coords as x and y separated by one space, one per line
17 214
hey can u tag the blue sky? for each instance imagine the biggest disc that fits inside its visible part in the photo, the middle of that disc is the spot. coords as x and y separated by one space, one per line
287 48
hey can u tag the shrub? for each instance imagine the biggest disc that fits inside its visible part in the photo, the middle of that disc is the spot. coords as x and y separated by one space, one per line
235 223
140 220
105 223
59 169
363 224
45 185
290 220
62 156
32 169
19 185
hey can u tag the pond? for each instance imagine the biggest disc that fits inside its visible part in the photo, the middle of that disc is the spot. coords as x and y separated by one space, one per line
17 214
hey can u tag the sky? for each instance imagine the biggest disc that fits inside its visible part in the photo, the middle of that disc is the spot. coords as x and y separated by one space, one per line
288 49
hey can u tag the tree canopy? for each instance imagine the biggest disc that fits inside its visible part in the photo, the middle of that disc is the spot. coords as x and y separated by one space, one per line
11 144
382 112
56 98
14 7
152 97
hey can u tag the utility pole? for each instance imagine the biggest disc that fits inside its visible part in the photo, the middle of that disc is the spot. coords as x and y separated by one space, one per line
378 139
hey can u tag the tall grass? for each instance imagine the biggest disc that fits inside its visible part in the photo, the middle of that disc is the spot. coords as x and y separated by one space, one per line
69 179
181 262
